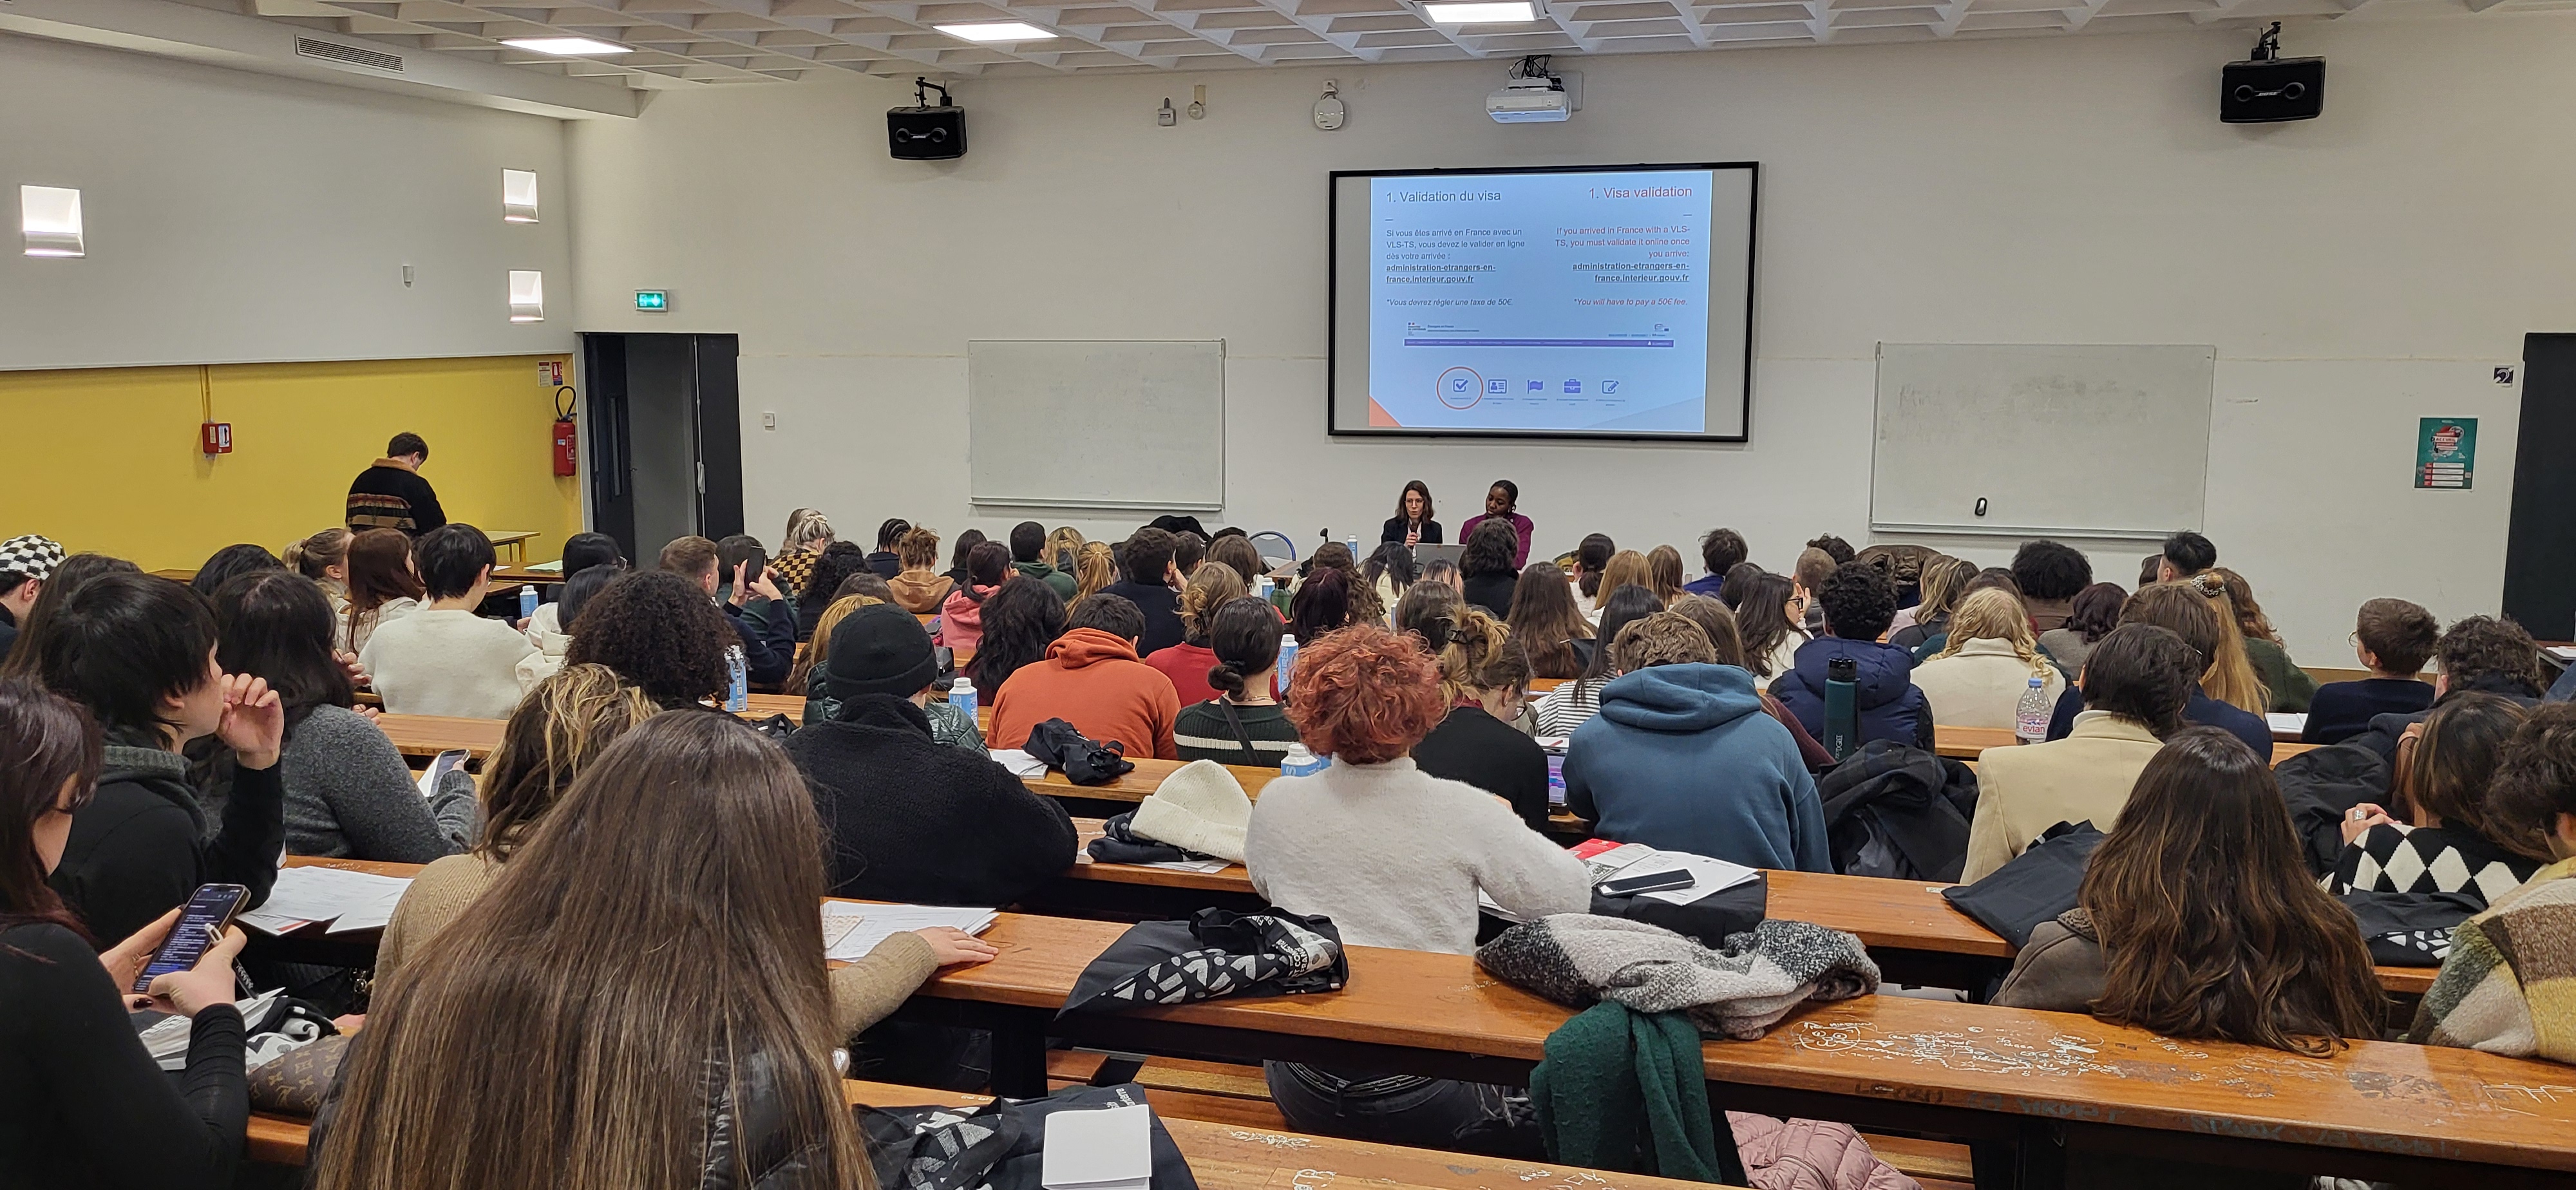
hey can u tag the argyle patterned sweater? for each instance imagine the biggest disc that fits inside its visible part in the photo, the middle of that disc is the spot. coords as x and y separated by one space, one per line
2509 986
2428 859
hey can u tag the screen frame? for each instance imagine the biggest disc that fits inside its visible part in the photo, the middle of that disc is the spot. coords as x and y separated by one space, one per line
1332 297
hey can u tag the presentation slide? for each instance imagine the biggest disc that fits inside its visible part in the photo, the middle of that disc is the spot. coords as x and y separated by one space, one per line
1551 303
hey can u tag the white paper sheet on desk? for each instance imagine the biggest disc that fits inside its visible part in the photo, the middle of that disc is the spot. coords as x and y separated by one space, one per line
1109 1149
1021 764
2290 723
348 900
1189 865
1708 876
851 930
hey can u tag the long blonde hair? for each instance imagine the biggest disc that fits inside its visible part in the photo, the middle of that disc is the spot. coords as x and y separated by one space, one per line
1627 568
1093 568
1943 580
1481 655
2231 678
1664 573
819 649
1994 614
548 1038
1062 547
564 722
1211 588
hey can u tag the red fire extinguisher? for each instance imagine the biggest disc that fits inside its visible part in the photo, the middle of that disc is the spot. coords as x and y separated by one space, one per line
567 437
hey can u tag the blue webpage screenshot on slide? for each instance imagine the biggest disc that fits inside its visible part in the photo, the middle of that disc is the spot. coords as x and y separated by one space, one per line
1546 301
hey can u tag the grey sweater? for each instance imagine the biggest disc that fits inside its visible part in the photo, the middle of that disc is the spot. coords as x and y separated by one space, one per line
350 796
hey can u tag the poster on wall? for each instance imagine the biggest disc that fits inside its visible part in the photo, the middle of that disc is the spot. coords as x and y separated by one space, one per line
2446 452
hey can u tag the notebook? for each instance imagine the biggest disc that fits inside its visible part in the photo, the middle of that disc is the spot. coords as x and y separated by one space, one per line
1110 1149
851 929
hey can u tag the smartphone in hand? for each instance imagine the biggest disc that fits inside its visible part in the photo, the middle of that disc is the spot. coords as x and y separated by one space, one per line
209 910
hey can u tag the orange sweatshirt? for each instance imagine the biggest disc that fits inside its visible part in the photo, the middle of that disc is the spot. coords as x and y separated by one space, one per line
1090 679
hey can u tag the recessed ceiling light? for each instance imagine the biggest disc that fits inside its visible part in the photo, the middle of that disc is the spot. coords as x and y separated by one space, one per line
566 47
996 31
1486 12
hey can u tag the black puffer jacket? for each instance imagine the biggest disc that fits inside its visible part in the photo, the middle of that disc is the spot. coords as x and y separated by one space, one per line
2320 786
749 1146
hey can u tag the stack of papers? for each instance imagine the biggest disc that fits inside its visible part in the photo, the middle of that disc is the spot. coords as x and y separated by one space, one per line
2293 724
1110 1149
2562 652
851 930
1191 865
348 900
1708 876
1021 764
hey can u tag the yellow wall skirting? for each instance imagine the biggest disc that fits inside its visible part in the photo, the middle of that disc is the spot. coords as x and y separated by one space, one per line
107 459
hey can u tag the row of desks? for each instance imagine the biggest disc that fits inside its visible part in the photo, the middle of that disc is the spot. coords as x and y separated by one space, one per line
2051 1084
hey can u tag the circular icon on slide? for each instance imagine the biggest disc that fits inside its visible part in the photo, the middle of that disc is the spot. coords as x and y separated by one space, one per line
1461 388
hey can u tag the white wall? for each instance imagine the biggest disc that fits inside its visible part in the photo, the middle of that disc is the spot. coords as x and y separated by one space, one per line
2354 273
235 217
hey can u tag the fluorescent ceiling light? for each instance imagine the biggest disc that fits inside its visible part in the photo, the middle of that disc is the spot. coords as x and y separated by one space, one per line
527 296
996 31
50 219
518 196
1488 12
566 47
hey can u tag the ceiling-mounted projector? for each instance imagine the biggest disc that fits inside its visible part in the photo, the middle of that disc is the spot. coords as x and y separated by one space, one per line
1535 96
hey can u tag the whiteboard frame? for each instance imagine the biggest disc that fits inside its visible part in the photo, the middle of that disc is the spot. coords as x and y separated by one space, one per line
1878 395
973 500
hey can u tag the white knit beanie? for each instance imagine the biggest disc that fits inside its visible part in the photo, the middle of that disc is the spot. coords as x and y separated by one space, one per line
1200 807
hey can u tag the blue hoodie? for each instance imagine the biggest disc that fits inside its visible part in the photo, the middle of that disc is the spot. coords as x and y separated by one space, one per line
1892 707
1683 758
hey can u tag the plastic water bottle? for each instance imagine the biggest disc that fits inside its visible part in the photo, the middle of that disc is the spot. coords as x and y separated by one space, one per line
1300 763
737 680
527 601
1354 542
1263 589
962 696
1287 662
1842 707
2030 719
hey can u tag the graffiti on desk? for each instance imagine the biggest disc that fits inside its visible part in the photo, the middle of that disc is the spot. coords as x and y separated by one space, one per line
1971 1050
1272 1139
2519 1098
1312 1179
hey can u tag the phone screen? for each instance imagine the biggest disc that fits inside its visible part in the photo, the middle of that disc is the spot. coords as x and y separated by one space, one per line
208 911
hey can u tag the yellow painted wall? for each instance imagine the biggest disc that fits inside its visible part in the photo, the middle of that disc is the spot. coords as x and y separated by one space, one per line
106 459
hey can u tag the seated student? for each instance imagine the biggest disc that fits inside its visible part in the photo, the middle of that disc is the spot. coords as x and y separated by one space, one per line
2197 919
1243 724
1413 522
582 551
1979 677
1664 573
809 533
1063 546
1484 676
885 561
1095 566
557 643
2151 570
1189 552
2136 686
1768 612
1813 567
2049 574
1396 857
75 572
1503 503
768 639
2504 989
1389 571
831 568
446 659
1321 605
1490 574
349 793
1858 601
1575 702
1152 583
2177 608
2444 769
1944 584
690 836
911 819
2291 687
2093 613
1628 568
660 632
322 557
960 551
139 653
1021 621
2393 638
1092 680
1360 594
230 561
919 588
1029 557
92 1108
1238 552
1720 550
2479 653
1724 636
740 559
383 587
1549 627
24 564
1592 556
1683 758
1188 662
2185 554
1991 578
961 616
950 724
1442 572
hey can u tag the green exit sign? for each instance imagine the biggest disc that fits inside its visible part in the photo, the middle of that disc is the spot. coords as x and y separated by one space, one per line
653 301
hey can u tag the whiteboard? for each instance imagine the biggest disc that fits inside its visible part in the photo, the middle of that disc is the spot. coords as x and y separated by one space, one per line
2077 441
1115 424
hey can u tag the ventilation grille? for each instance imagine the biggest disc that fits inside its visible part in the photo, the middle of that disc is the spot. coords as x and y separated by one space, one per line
316 48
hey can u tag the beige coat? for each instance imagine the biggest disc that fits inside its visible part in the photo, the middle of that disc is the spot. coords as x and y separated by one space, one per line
2025 789
1983 685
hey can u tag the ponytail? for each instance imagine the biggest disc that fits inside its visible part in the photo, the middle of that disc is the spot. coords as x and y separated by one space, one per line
1480 654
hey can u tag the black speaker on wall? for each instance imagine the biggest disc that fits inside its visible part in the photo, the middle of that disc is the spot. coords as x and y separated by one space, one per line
923 132
2268 88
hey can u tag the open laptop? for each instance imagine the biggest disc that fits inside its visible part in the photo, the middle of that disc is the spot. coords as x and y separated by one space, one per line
1424 554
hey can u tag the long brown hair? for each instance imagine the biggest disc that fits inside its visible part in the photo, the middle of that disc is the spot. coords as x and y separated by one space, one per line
1714 619
2250 619
46 741
1625 569
1546 621
379 573
659 924
564 723
2211 926
1664 573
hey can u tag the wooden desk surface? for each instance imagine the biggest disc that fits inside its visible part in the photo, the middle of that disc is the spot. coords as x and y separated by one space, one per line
1964 743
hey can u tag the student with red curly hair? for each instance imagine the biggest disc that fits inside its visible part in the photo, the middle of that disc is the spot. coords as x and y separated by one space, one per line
1395 857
